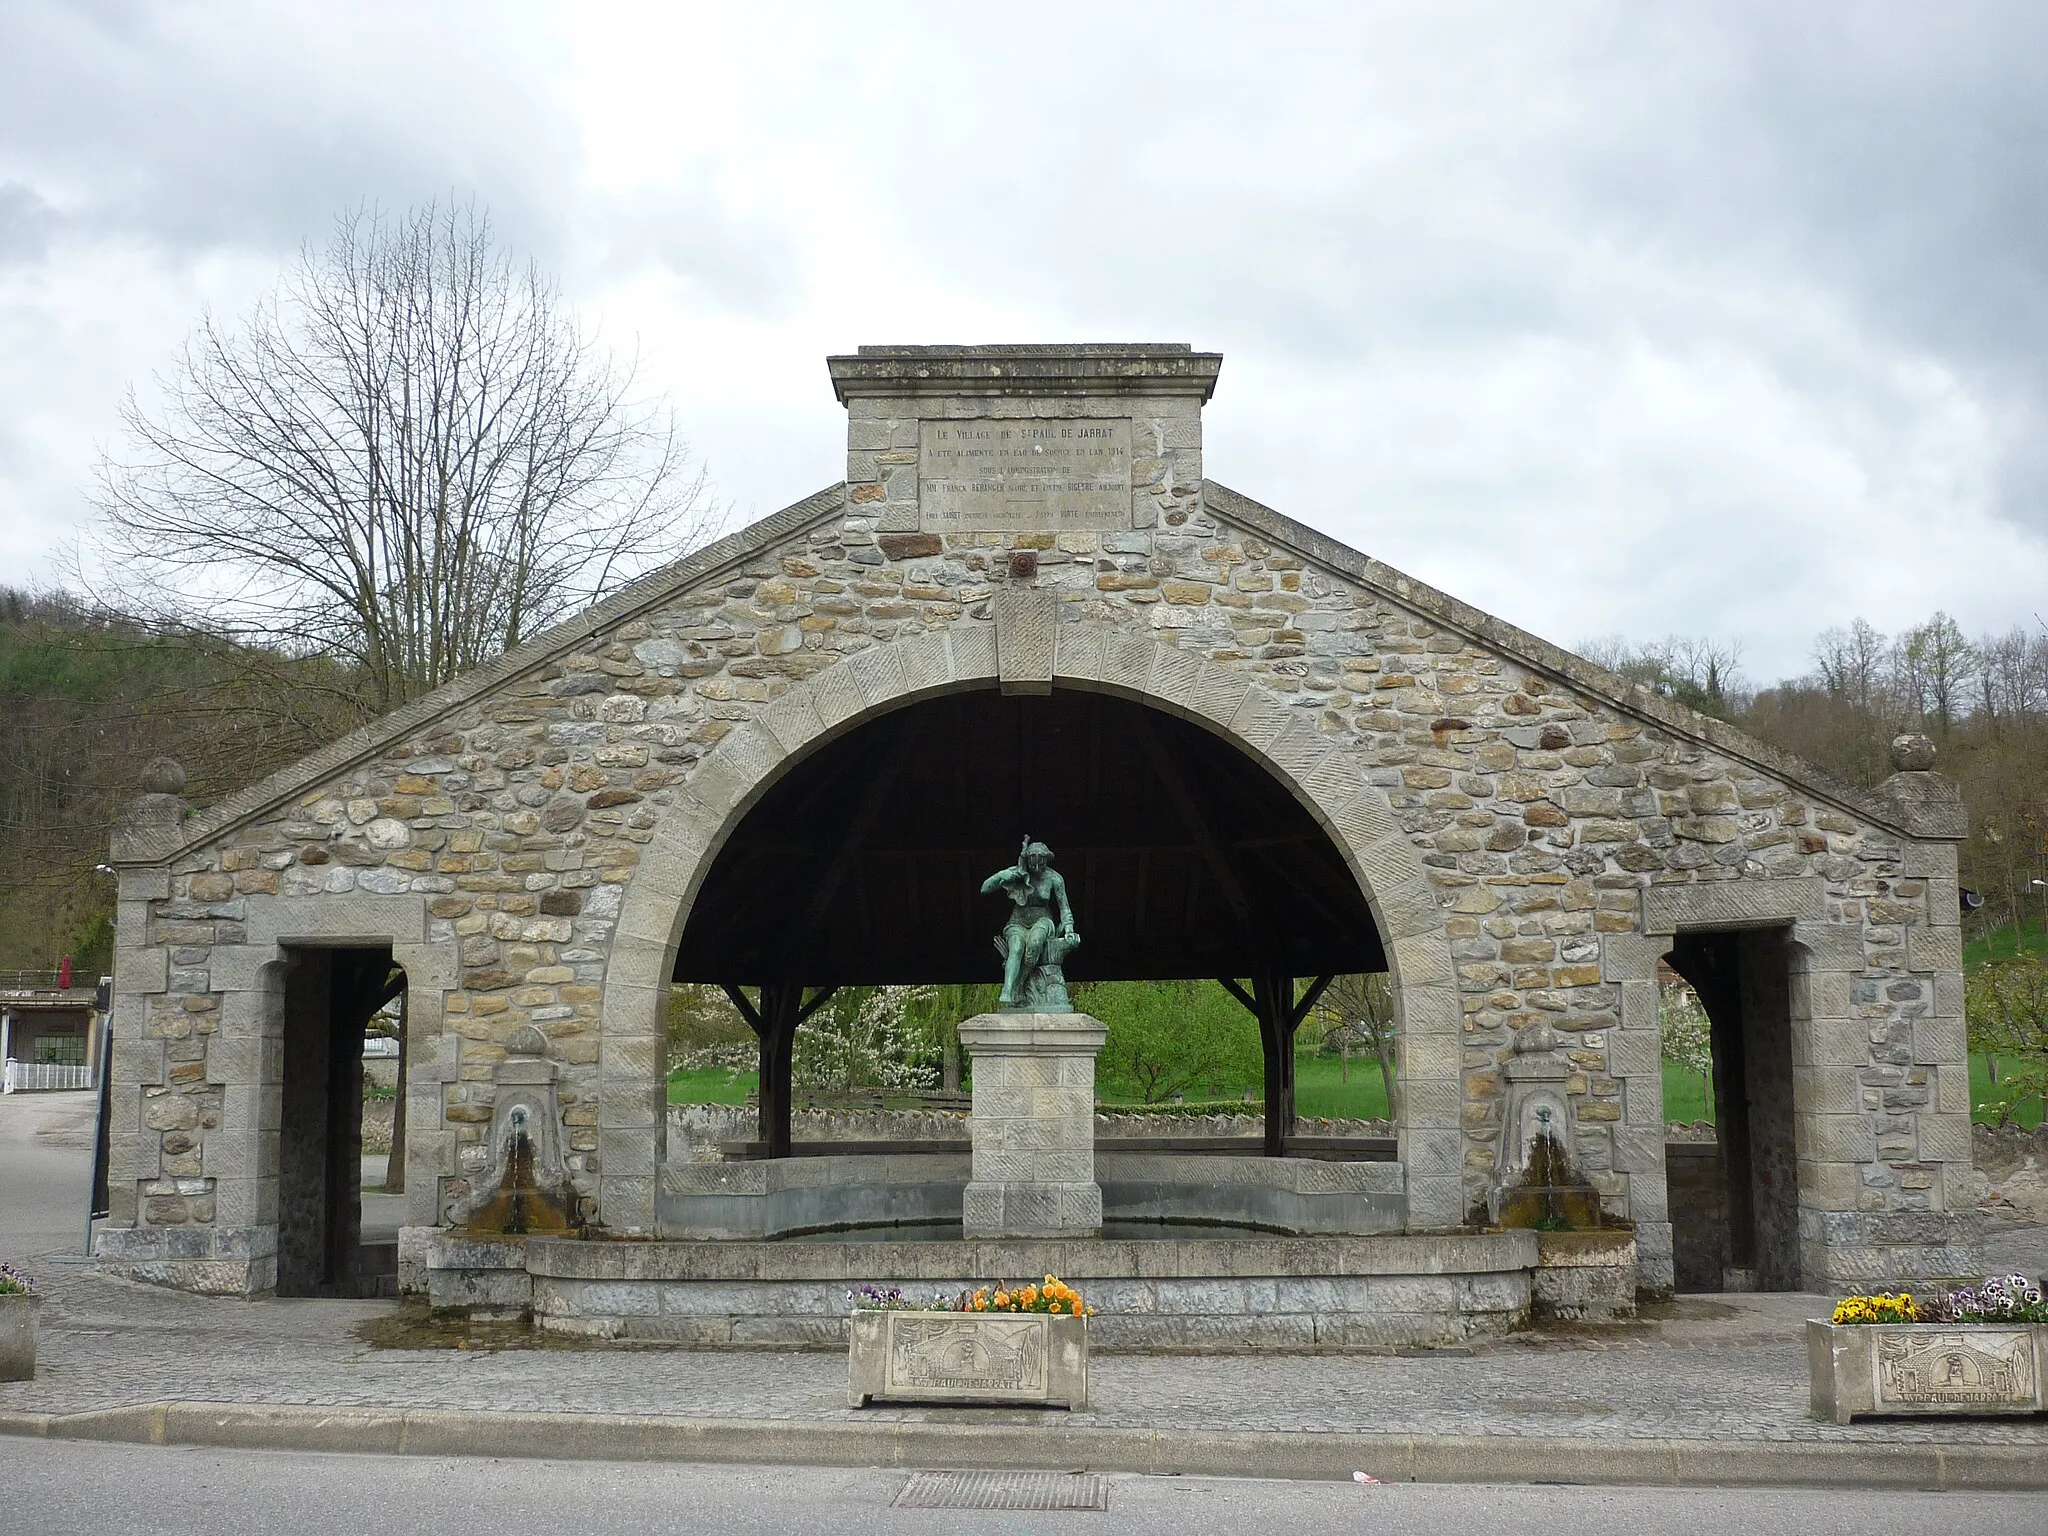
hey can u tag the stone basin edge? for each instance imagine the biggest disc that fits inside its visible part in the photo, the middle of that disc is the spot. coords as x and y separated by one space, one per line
1071 1259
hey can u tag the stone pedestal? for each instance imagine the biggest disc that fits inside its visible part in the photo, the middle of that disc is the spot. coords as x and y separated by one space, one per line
1033 1125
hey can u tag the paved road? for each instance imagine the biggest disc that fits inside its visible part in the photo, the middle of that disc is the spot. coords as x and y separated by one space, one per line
45 1172
70 1488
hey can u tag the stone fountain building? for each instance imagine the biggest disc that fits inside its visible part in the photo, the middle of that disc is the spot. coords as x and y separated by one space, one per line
783 763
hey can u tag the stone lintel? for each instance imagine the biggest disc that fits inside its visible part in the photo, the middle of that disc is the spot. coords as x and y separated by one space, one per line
1734 904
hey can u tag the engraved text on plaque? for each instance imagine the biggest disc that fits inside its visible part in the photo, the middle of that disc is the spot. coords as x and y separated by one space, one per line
992 475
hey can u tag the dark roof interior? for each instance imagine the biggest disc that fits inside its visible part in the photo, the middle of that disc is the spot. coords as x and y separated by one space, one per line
1183 856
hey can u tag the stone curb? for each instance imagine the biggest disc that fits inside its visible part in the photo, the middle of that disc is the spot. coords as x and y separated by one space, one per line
1292 1454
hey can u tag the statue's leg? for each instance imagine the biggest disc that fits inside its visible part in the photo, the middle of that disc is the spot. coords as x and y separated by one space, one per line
1013 967
1031 949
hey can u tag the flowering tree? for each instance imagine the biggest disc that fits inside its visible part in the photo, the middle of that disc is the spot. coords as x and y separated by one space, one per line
1687 1033
868 1038
2005 1004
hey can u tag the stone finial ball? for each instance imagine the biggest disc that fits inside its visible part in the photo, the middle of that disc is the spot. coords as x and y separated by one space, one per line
163 776
1912 754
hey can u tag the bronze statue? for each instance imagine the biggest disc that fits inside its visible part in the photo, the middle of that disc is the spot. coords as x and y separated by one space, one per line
1033 949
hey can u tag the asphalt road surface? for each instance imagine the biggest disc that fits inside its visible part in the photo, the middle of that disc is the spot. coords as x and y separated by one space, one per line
51 1487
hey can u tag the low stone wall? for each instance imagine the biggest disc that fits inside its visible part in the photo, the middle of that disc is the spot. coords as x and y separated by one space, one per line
377 1121
697 1131
1292 1195
1698 1197
771 1198
2014 1166
1332 1293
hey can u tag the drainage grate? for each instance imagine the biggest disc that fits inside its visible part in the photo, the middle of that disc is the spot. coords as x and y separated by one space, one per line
1003 1490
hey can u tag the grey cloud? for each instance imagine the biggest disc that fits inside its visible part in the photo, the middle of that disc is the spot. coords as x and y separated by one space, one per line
194 128
727 260
25 224
1810 210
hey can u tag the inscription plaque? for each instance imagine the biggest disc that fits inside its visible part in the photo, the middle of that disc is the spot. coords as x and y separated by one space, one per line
992 475
967 1357
1977 1366
960 1356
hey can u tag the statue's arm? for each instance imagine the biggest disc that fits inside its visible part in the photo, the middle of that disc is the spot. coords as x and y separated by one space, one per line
1059 896
1001 877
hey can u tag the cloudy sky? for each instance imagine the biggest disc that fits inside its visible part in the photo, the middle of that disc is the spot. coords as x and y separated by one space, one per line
1720 318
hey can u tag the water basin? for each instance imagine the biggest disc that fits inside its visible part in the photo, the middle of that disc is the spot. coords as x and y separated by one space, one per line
951 1232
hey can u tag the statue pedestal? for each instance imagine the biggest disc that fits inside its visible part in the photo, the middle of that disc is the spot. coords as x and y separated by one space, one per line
1033 1125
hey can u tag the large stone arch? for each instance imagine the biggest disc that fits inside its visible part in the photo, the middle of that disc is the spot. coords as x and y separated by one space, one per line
1026 650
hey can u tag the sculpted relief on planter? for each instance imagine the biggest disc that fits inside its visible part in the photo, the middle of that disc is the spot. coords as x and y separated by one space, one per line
1977 1366
981 1354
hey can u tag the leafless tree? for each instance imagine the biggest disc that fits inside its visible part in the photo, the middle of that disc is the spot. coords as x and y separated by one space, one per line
409 457
1935 666
1853 665
1696 670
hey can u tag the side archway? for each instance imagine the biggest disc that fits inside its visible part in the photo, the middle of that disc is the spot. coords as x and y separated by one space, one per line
1025 652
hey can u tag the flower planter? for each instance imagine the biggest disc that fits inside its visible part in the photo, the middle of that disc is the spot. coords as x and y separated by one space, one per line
18 1336
968 1357
1925 1368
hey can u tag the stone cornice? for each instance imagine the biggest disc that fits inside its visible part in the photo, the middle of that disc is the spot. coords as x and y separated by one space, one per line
1581 675
1100 368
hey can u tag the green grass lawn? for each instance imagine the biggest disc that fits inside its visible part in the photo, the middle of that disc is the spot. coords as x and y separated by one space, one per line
1319 1090
1980 1089
710 1085
2002 943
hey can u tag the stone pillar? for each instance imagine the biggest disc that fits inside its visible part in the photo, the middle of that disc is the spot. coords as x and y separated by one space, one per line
1033 1125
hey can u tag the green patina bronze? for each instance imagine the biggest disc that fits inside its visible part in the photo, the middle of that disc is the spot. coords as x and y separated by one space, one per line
1033 948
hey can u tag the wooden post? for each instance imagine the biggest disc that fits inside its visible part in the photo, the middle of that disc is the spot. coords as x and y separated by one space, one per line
774 1020
1272 1002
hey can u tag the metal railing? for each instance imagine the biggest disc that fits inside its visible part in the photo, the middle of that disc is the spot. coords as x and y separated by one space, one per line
34 981
45 1076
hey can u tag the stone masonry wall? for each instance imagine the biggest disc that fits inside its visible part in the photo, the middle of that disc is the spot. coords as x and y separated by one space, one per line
1541 814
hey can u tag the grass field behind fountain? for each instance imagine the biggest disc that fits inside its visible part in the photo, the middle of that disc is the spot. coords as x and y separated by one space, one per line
1319 1090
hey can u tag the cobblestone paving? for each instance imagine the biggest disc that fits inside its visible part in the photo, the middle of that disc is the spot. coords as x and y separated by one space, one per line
1725 1368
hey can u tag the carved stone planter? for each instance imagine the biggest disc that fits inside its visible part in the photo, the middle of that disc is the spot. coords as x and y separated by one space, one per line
18 1337
968 1357
1925 1368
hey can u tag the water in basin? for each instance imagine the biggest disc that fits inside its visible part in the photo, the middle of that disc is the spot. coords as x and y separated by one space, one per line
950 1232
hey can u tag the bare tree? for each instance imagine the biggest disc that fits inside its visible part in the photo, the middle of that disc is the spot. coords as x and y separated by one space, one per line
1695 670
1853 665
410 456
1936 665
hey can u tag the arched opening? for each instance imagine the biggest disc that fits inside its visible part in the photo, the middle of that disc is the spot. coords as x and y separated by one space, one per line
323 1249
1736 1213
1184 856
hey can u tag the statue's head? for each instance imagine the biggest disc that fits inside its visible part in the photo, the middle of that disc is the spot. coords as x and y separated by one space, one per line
1036 857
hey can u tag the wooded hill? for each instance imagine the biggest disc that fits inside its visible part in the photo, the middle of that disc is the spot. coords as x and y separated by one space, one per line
87 698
